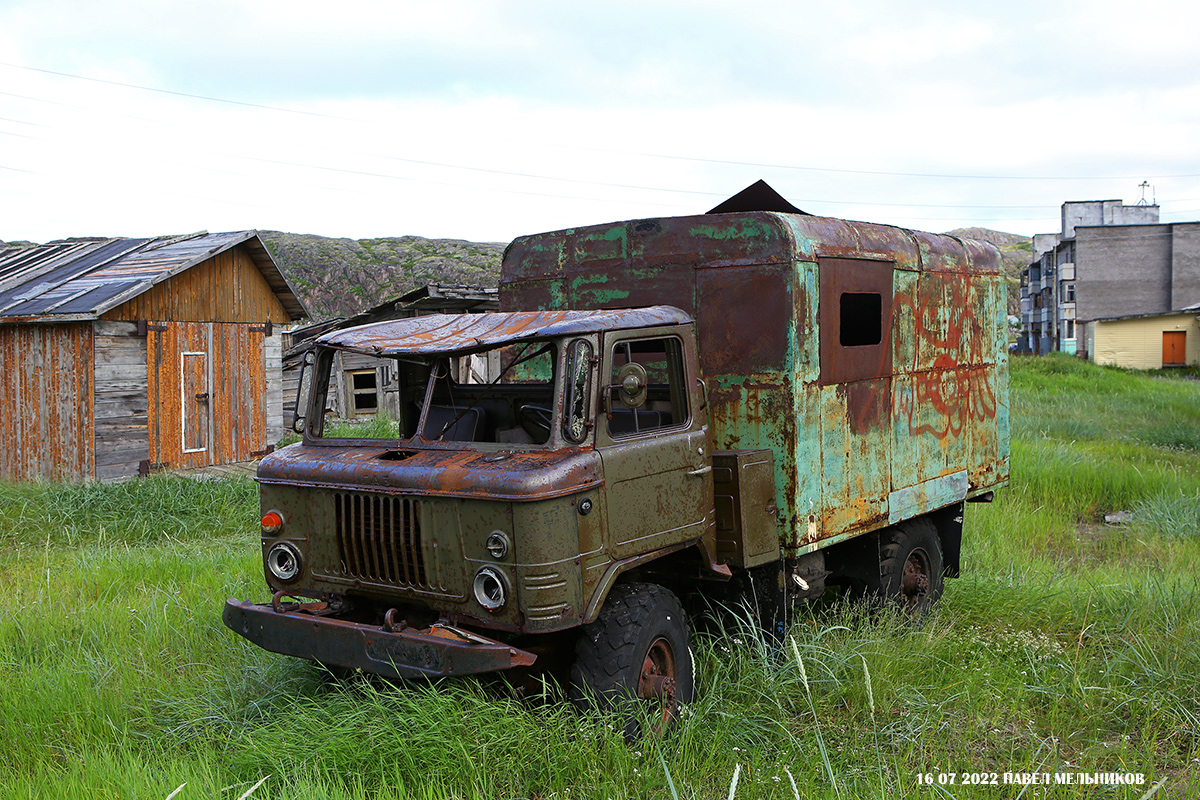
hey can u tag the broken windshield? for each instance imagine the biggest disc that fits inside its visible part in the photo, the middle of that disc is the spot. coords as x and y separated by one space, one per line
502 395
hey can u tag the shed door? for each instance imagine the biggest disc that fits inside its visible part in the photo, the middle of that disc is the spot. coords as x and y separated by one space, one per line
195 401
1174 345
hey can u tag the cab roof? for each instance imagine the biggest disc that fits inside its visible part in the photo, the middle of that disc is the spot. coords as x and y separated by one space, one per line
447 333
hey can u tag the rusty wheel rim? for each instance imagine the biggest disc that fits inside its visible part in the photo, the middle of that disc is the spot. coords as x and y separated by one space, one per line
656 683
915 578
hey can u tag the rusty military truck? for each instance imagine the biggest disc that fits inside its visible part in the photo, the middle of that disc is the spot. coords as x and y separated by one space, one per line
663 410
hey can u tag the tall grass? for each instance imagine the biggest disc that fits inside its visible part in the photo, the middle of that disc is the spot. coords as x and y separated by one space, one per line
130 513
1068 645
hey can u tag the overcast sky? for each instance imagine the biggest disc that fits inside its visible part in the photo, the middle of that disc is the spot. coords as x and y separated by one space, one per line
485 120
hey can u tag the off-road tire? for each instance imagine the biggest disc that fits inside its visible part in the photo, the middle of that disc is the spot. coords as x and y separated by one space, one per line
911 569
623 658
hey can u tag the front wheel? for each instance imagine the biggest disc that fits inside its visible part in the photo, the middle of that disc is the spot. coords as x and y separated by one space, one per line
637 651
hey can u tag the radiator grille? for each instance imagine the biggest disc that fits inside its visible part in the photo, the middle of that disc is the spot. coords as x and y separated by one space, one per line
379 538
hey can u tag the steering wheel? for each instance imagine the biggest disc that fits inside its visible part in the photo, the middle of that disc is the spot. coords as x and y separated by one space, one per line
537 417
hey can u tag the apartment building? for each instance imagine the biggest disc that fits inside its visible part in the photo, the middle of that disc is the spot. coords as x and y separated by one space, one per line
1109 260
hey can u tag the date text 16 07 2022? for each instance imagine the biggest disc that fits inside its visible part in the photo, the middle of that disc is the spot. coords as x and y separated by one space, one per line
1030 778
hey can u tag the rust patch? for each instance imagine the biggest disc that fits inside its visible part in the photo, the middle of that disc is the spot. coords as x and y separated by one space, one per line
435 471
448 333
732 341
868 404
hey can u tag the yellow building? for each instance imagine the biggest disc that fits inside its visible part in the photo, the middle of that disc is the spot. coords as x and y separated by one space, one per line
1148 341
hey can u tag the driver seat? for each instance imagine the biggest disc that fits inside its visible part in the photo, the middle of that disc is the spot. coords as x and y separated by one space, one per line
467 422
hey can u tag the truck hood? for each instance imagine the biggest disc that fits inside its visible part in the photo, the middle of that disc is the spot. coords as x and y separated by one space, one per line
489 475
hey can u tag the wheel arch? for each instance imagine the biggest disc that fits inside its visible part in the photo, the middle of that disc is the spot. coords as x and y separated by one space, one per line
620 571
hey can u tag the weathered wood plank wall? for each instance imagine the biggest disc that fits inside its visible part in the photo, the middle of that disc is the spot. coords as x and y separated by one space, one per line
121 401
165 350
226 288
240 384
273 421
46 428
232 418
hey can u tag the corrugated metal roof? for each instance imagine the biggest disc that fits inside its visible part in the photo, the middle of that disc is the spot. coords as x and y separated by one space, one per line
433 298
444 333
83 278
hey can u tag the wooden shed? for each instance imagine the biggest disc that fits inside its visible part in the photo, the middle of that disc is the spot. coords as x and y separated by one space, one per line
120 357
1148 341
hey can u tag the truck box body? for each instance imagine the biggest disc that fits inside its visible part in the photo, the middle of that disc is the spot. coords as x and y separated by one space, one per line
871 360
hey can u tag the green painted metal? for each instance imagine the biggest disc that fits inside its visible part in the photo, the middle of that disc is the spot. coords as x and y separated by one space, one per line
843 445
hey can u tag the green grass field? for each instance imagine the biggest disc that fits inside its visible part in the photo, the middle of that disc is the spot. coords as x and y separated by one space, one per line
1068 646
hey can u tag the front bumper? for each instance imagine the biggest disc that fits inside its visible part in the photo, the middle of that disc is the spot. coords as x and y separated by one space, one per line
436 651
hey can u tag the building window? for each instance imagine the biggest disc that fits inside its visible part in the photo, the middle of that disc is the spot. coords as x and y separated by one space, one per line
1070 293
364 401
861 319
1070 334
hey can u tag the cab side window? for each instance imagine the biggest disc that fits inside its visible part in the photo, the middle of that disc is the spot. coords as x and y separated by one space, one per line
646 386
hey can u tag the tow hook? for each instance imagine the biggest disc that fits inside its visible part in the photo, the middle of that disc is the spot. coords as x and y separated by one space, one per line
318 608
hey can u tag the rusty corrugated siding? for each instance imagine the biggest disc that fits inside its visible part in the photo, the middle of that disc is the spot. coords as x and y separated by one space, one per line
437 333
46 427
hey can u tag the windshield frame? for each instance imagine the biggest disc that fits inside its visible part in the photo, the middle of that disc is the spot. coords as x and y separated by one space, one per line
323 368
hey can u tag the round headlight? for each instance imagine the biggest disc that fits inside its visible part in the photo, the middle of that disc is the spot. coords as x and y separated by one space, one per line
283 561
491 591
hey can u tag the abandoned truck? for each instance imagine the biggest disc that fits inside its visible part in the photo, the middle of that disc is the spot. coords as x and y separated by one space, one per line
663 410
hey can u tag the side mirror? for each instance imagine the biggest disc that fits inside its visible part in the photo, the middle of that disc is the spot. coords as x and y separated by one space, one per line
631 383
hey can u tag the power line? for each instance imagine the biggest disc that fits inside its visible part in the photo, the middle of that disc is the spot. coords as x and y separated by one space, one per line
664 156
280 109
486 170
760 165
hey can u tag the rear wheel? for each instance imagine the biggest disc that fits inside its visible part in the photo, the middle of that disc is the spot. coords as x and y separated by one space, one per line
911 571
636 653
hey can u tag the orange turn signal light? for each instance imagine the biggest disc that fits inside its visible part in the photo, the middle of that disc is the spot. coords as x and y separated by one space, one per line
272 522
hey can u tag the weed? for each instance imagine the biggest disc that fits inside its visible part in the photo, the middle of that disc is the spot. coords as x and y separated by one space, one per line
1172 514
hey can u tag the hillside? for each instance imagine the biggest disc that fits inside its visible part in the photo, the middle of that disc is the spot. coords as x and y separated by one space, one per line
339 277
1016 252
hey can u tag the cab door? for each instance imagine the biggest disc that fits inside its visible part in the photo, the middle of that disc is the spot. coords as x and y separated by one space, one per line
654 441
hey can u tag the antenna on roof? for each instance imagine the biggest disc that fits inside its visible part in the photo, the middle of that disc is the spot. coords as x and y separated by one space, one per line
1144 185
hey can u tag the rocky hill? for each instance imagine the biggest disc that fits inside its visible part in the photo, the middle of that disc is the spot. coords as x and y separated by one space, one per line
339 277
